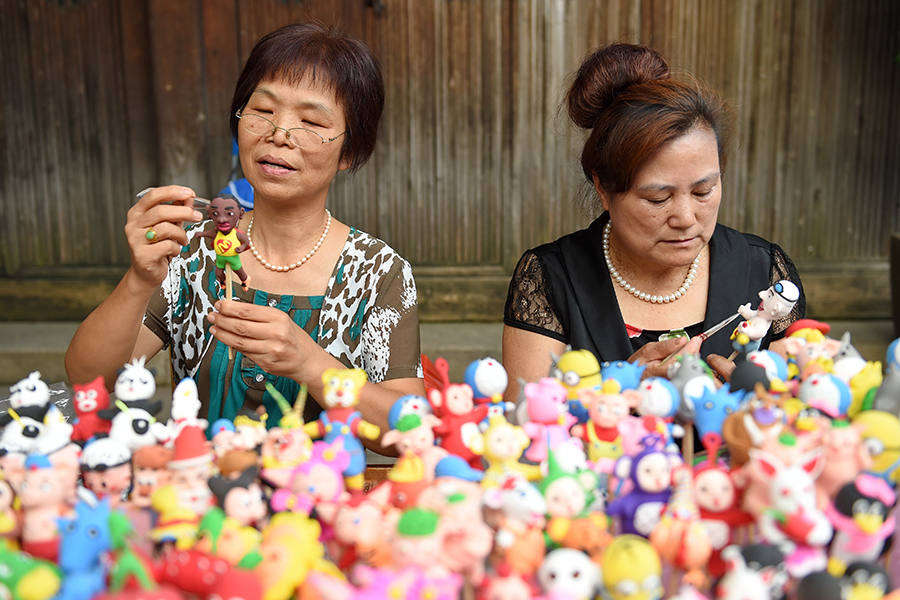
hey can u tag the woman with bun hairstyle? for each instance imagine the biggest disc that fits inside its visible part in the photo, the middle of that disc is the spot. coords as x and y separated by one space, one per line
655 260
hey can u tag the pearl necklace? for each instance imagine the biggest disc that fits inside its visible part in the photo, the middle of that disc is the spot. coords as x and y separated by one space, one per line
636 292
300 262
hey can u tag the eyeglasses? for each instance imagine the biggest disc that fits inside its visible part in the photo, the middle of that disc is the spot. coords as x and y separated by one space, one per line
297 137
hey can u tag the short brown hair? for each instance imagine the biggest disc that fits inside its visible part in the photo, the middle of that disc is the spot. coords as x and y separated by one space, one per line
625 95
310 50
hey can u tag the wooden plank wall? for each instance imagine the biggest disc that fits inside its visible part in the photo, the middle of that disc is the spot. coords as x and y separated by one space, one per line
474 164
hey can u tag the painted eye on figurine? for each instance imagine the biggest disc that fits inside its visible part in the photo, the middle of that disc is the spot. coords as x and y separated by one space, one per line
874 446
728 410
708 405
860 506
859 577
878 581
652 582
571 378
93 532
876 508
70 527
627 587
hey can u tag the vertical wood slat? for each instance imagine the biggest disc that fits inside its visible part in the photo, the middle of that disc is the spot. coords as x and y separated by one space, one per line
177 46
139 129
19 121
221 66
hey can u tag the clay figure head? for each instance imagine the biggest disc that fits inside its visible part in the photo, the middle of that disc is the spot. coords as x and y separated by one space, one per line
778 301
225 211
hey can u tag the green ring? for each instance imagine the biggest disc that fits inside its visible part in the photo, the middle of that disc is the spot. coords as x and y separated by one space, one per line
151 234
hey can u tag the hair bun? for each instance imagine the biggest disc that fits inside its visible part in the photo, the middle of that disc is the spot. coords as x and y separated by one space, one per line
605 74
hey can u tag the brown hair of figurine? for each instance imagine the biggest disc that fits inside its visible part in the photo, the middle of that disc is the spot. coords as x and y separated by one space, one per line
228 241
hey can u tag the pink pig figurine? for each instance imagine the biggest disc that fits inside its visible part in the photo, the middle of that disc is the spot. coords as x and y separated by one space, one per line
549 417
467 538
361 534
601 435
418 543
415 433
845 458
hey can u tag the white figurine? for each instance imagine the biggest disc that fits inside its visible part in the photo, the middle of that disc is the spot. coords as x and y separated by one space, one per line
775 303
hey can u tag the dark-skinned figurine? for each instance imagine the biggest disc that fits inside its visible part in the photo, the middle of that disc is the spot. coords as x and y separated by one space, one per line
228 241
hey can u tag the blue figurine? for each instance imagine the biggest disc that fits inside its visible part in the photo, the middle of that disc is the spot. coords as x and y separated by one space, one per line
84 542
712 408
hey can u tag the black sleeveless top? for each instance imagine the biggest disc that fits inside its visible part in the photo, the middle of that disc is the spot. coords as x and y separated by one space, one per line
563 290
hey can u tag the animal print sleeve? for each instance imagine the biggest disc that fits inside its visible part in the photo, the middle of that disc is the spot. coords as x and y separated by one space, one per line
390 336
155 316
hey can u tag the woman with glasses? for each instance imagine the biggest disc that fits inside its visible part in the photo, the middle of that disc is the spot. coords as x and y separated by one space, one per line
655 263
322 294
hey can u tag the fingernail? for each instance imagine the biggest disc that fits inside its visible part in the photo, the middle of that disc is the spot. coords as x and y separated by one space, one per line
213 330
198 216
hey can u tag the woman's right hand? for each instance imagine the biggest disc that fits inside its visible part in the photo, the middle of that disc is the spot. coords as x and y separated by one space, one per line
657 356
162 210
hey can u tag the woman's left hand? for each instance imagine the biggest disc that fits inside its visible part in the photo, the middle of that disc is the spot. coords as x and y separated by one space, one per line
721 365
265 335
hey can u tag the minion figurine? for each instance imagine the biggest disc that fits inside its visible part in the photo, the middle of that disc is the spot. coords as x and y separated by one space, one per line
577 370
882 438
632 569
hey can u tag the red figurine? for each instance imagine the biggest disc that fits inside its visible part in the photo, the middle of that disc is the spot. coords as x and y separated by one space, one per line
89 399
454 405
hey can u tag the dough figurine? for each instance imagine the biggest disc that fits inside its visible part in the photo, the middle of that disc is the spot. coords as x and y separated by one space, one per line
577 370
85 540
775 303
89 399
793 521
106 469
632 569
228 240
862 516
341 421
454 405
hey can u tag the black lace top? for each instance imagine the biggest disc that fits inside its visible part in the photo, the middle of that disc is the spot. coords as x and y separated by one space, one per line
563 290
